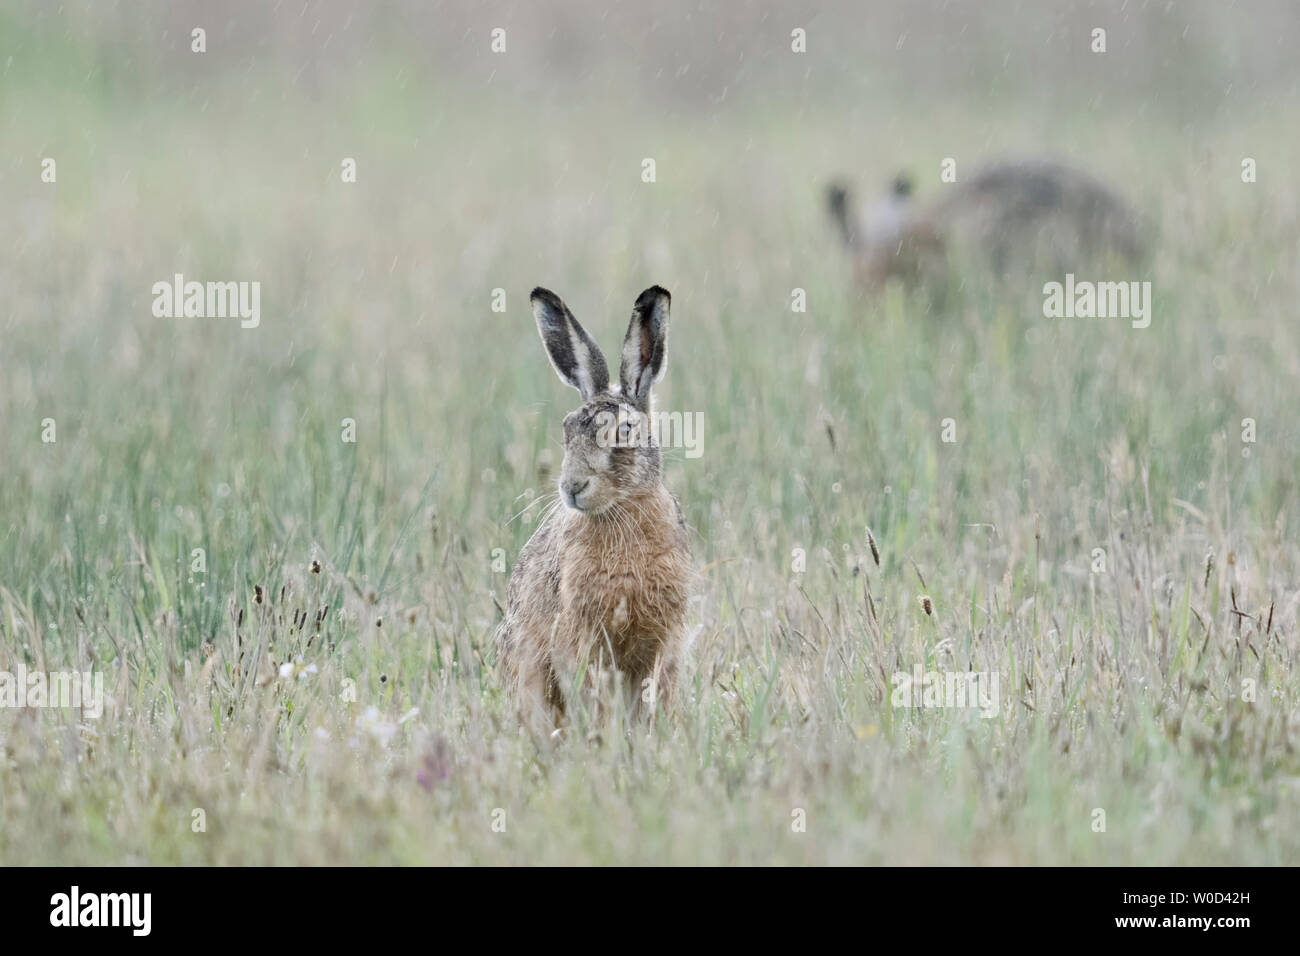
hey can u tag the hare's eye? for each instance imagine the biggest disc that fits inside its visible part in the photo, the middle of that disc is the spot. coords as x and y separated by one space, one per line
626 432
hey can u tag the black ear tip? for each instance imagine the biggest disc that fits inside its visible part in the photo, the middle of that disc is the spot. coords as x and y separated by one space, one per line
544 295
652 295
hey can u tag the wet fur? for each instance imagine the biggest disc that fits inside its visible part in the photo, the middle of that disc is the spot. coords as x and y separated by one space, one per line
602 594
610 591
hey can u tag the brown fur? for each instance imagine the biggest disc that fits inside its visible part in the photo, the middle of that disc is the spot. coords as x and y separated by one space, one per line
1022 212
609 591
602 586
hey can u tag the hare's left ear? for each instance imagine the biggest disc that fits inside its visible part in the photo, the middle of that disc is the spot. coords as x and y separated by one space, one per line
645 347
572 351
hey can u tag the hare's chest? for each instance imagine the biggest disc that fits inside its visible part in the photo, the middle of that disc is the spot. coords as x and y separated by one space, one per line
614 597
609 600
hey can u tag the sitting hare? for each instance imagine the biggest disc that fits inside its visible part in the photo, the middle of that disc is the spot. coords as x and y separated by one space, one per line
602 586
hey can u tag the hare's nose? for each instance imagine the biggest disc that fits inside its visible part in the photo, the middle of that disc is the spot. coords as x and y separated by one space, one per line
572 487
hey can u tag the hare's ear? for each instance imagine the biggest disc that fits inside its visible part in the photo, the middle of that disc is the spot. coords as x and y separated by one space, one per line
645 347
575 355
838 202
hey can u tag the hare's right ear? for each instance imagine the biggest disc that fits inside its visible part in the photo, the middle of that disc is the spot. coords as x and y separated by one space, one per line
901 187
575 355
645 347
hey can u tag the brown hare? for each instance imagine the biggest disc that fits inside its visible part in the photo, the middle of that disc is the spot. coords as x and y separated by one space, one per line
1028 212
602 586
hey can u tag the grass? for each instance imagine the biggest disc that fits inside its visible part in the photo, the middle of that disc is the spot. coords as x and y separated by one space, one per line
1121 691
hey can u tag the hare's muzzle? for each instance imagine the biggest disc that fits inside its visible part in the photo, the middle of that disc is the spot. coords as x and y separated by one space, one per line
572 489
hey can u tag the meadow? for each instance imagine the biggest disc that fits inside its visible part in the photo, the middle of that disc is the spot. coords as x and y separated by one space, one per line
1105 532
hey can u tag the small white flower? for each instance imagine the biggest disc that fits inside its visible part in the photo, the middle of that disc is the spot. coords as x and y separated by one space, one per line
371 723
296 669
